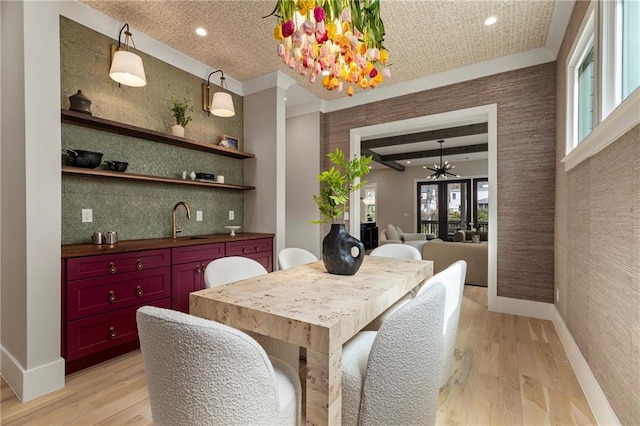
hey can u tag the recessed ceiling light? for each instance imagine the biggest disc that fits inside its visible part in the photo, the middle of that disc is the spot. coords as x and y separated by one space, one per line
490 20
201 31
408 162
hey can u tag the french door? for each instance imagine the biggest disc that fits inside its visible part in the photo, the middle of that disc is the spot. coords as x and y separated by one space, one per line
444 207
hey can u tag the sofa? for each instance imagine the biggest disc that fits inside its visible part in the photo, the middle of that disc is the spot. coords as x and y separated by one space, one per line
444 253
463 235
394 235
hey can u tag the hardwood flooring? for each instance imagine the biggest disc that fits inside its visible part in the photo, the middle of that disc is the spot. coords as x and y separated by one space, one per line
509 370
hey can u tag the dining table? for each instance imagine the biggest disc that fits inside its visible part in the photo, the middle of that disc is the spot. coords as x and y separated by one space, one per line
309 307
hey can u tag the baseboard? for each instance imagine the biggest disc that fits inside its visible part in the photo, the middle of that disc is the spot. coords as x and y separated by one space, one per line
596 398
30 384
524 308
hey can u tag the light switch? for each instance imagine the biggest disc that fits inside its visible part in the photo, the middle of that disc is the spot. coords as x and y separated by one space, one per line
199 216
87 215
231 215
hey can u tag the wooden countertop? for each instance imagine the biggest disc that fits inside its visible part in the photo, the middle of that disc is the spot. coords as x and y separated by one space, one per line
79 250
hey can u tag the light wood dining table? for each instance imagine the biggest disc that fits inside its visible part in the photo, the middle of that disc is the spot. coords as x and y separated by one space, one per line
316 310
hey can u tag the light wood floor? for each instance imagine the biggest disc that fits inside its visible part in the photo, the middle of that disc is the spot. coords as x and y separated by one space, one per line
509 370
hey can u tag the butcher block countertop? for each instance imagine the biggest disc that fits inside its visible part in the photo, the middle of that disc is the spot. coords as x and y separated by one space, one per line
79 250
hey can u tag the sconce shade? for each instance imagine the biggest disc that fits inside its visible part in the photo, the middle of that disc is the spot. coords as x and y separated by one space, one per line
222 105
127 69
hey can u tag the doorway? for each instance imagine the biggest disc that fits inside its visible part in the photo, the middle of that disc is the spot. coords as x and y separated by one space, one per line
443 207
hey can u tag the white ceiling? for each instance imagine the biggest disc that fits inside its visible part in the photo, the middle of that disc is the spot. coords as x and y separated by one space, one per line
424 38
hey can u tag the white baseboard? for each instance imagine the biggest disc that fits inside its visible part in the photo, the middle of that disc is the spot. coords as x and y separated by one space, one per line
30 384
596 398
524 308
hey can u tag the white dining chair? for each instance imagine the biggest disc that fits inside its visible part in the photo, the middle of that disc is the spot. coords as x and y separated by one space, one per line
397 251
294 256
201 372
392 377
453 278
235 268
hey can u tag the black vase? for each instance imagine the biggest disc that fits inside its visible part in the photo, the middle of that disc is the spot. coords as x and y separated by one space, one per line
336 251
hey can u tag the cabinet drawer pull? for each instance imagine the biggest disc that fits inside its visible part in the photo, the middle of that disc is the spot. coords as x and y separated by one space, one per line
198 270
112 296
112 268
139 291
244 249
256 247
112 333
139 265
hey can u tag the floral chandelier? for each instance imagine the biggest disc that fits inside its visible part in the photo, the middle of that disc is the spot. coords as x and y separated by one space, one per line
338 41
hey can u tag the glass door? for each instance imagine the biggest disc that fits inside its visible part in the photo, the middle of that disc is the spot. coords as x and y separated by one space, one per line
428 208
444 207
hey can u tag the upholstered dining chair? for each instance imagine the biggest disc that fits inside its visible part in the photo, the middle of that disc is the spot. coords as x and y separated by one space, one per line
397 251
453 278
201 372
392 376
235 268
294 256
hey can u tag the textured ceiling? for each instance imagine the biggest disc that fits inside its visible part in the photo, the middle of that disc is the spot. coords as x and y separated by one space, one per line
423 37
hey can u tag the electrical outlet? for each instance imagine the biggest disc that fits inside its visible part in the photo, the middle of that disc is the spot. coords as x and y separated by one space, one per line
231 215
87 215
199 216
346 215
557 295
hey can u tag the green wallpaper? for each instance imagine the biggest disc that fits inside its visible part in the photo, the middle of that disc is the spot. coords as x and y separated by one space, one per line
141 209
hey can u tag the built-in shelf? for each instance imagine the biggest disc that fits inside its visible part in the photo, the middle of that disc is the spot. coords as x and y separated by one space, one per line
97 123
78 171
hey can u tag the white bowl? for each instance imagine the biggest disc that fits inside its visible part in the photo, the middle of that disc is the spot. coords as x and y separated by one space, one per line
233 229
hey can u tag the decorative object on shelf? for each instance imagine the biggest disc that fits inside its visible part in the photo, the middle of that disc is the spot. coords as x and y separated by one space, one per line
192 175
229 142
342 253
81 158
179 108
116 166
442 170
126 66
80 103
233 229
222 104
220 179
339 41
205 177
97 237
110 237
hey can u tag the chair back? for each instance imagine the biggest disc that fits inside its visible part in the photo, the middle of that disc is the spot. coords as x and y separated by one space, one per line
398 251
229 269
200 372
453 279
294 256
401 383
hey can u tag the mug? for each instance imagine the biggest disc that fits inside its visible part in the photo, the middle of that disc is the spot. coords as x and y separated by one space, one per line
111 237
96 238
220 179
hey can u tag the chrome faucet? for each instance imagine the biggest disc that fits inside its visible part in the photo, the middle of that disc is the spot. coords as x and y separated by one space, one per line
174 228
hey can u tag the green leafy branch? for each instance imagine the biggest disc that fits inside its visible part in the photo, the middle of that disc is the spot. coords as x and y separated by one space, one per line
179 109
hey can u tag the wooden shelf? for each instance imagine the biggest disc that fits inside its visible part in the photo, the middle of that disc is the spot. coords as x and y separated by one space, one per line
92 122
78 171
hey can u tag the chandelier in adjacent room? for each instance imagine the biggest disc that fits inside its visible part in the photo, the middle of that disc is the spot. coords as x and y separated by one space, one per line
338 41
442 170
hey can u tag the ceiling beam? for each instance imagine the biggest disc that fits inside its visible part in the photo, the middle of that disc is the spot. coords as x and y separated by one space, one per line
451 132
378 159
457 150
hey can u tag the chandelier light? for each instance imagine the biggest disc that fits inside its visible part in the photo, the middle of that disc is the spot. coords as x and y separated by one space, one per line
338 41
442 170
126 66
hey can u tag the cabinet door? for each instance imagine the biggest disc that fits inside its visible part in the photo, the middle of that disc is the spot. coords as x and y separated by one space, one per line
260 250
185 279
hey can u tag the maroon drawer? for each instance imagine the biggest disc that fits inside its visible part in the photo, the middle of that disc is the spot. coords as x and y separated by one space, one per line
197 253
263 258
116 264
98 295
240 248
95 334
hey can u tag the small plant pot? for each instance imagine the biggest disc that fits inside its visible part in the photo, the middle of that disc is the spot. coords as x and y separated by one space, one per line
177 130
475 239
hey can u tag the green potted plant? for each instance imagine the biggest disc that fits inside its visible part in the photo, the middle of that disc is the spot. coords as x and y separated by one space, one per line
180 109
336 186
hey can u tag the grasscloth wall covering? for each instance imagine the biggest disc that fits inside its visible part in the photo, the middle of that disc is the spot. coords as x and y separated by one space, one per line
141 209
526 146
597 253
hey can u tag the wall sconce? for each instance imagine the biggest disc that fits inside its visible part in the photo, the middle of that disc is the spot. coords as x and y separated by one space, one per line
222 103
126 67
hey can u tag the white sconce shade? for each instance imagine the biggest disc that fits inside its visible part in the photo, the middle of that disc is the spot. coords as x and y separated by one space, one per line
127 69
222 105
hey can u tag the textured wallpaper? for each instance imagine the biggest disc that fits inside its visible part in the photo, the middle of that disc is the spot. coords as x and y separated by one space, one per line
141 209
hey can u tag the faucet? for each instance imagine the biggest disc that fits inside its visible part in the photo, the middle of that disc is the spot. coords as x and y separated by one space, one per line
174 228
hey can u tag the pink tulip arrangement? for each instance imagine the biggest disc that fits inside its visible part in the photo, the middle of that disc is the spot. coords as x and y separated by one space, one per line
339 41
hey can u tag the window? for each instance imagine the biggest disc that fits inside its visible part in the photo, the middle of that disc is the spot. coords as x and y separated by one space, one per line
630 51
368 207
481 203
581 85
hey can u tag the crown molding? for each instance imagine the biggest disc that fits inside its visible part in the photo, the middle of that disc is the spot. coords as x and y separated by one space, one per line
267 81
559 22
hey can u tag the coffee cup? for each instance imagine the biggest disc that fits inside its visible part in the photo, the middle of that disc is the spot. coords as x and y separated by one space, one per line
111 237
220 179
97 237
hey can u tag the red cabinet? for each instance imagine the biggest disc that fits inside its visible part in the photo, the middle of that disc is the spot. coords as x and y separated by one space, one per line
260 250
187 274
101 295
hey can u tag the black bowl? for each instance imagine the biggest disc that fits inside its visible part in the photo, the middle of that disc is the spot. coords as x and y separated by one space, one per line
116 166
86 159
